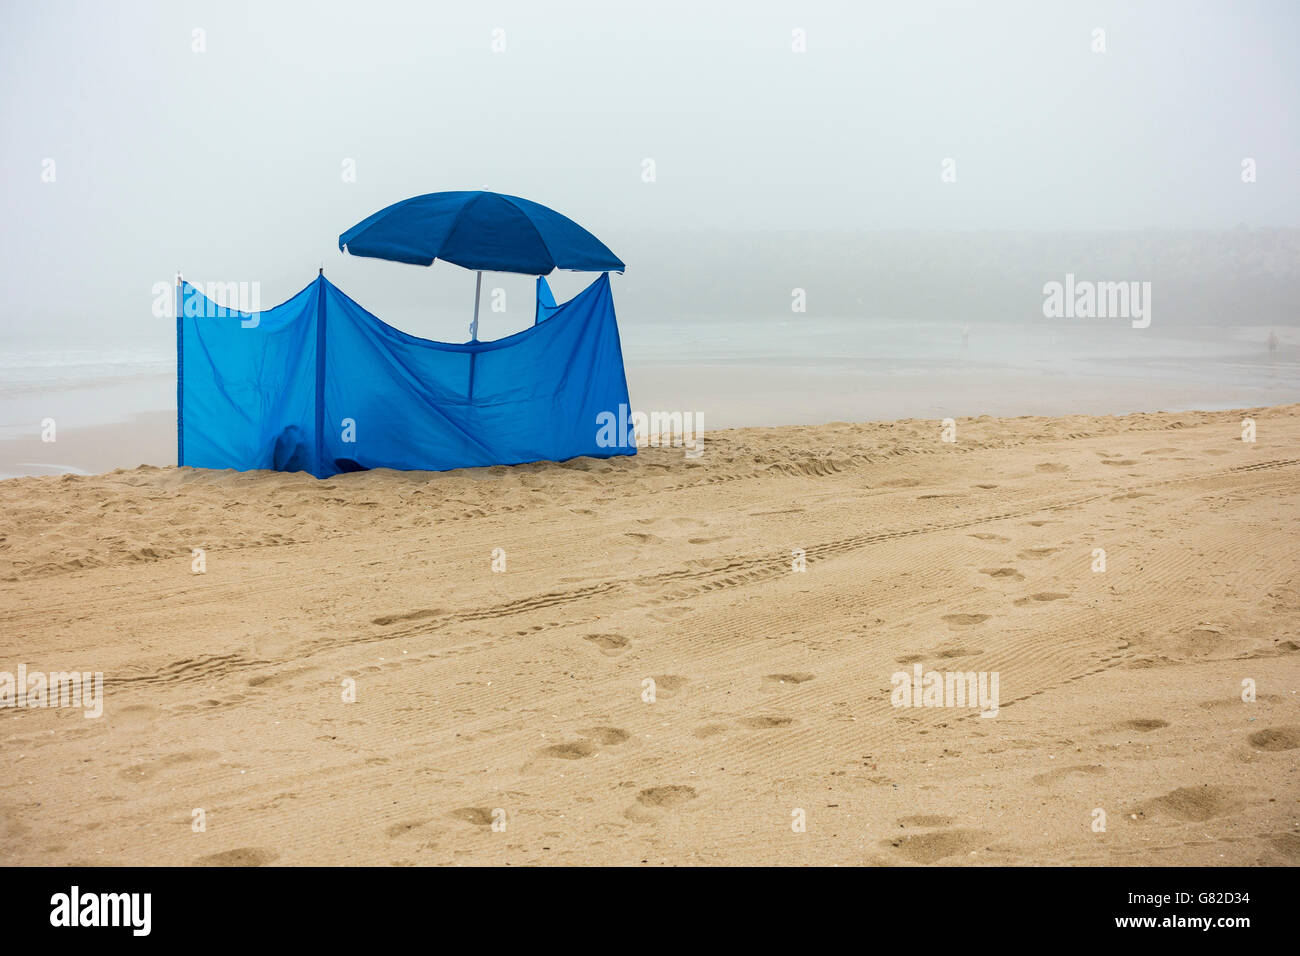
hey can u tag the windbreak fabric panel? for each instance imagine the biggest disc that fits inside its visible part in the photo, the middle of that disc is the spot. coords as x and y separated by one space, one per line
392 400
247 384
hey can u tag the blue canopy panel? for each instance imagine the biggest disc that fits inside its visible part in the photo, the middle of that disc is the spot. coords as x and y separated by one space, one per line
319 384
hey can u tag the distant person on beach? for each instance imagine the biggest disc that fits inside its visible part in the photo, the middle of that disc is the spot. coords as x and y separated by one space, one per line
1272 341
965 336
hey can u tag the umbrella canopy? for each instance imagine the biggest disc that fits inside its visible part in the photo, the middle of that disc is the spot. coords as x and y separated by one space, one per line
484 231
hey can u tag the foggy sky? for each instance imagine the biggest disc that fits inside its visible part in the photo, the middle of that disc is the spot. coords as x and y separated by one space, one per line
227 163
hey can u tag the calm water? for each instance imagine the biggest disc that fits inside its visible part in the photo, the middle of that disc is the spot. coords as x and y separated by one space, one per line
740 365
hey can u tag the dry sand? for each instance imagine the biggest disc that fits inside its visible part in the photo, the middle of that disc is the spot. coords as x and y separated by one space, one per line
523 690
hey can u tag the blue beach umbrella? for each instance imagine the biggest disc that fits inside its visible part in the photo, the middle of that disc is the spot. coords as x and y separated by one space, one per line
479 230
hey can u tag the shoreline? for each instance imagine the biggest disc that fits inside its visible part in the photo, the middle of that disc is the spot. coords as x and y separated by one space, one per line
797 400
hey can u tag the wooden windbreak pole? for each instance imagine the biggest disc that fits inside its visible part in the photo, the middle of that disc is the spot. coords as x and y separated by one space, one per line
320 374
180 373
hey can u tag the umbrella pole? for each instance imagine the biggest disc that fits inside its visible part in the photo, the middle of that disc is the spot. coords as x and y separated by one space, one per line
473 332
473 326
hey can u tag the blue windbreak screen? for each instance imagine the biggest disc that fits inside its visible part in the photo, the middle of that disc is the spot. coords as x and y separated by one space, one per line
253 388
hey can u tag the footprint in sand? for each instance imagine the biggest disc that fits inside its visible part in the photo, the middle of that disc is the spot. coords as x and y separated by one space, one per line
1030 553
406 828
933 847
1051 467
1040 597
1194 804
710 730
584 746
575 750
1011 573
669 684
766 722
673 795
1144 724
609 736
244 856
643 538
478 816
1196 642
965 620
721 537
653 802
1288 844
684 522
985 487
1119 461
986 536
608 643
799 678
1216 451
1275 738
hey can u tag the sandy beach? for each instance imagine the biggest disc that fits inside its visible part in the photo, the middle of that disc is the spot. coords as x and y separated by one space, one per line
649 680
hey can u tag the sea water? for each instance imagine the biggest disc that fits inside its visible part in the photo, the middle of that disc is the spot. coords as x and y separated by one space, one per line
776 371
